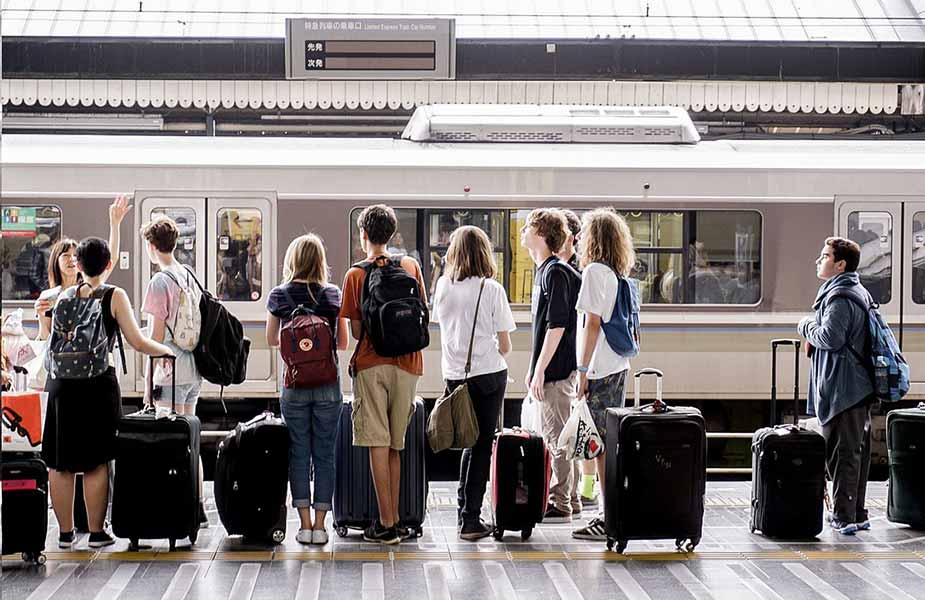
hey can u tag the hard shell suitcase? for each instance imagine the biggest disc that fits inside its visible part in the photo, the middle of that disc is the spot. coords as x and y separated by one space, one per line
905 440
251 473
788 469
25 506
520 470
355 504
156 486
656 472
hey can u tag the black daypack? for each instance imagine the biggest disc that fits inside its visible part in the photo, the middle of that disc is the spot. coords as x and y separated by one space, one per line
394 314
221 354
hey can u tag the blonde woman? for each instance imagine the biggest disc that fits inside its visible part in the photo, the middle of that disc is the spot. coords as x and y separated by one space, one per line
469 281
606 251
311 414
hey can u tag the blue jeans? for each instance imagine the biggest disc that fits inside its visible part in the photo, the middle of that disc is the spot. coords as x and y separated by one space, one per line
312 416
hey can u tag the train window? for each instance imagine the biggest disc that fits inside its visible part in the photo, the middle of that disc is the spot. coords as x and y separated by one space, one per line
185 218
660 277
918 258
27 233
405 240
442 223
656 229
873 232
724 257
239 260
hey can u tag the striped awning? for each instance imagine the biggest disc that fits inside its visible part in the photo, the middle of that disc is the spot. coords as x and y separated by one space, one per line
695 96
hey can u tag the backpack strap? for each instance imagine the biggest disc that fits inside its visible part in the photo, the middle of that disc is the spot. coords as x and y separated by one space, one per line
865 307
106 300
475 321
367 266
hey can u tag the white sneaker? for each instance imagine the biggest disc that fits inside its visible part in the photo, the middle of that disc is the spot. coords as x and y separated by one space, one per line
320 537
304 536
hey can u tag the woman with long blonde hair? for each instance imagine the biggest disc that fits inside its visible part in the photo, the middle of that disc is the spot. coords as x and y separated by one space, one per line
475 324
312 413
607 256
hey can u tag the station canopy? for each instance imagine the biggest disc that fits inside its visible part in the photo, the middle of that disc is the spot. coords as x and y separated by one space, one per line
791 21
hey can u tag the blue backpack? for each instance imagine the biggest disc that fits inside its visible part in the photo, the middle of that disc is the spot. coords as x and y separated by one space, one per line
622 330
888 369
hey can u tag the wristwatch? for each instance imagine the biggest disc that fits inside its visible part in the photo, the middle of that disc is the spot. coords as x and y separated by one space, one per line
582 369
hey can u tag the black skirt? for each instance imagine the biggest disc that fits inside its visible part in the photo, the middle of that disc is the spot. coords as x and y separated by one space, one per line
80 422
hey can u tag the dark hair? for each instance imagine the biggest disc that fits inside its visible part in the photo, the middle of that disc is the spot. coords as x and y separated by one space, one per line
574 223
379 222
845 250
55 278
162 232
93 255
549 224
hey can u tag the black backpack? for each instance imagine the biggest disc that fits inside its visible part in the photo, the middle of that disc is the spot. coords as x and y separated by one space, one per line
221 354
394 314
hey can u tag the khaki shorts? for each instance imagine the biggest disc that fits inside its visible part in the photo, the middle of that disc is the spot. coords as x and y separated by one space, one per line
383 403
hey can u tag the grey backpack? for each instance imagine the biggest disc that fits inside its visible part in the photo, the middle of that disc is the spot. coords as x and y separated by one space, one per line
78 347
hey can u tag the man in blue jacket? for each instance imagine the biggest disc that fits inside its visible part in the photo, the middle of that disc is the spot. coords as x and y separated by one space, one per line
840 386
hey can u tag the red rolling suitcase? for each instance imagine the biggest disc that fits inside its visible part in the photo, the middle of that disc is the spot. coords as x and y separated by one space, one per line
656 472
520 470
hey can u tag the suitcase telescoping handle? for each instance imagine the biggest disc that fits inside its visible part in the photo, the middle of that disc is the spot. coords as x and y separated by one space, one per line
658 405
149 380
796 378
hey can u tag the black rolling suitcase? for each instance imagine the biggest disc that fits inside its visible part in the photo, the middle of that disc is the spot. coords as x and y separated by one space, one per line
520 470
25 506
251 473
788 469
156 486
905 439
656 472
355 504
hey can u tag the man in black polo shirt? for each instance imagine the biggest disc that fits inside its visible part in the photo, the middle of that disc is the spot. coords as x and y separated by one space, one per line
552 376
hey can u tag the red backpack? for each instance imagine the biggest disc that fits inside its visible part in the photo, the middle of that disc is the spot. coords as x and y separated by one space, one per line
306 343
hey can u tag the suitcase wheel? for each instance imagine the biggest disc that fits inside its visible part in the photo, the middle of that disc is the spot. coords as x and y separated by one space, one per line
341 531
37 558
686 547
172 544
193 537
278 536
525 534
418 532
133 544
621 545
498 534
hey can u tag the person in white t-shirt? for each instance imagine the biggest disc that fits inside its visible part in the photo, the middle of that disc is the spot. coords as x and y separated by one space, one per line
470 271
606 249
161 305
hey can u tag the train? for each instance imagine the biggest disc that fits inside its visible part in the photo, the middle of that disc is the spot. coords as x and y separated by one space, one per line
727 231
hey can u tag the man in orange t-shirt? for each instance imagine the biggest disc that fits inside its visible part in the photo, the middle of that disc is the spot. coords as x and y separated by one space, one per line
384 387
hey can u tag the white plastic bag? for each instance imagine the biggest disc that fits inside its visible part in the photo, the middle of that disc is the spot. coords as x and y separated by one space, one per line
529 415
579 437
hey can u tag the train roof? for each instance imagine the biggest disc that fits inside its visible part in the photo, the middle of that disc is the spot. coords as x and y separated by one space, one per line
221 152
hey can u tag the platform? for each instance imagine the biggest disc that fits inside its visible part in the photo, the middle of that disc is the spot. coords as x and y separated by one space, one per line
886 562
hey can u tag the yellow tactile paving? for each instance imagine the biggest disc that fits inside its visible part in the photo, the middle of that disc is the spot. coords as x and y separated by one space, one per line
448 555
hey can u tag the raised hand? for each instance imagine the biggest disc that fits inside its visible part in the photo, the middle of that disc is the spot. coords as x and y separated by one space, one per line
118 209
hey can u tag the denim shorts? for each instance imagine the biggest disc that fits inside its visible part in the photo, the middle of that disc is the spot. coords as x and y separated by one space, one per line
606 392
187 394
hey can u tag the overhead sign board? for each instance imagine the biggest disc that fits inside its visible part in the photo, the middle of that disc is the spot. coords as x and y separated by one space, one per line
370 48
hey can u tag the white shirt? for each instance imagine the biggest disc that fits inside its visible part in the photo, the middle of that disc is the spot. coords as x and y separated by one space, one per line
597 295
454 310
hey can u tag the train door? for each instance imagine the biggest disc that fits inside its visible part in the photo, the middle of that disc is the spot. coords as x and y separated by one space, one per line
227 241
891 233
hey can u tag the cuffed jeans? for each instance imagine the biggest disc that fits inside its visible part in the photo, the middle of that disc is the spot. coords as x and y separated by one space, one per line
487 393
312 416
847 448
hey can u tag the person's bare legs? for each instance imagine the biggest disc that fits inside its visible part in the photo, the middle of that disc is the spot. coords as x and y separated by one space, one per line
395 481
96 496
305 517
379 465
601 469
62 498
319 520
